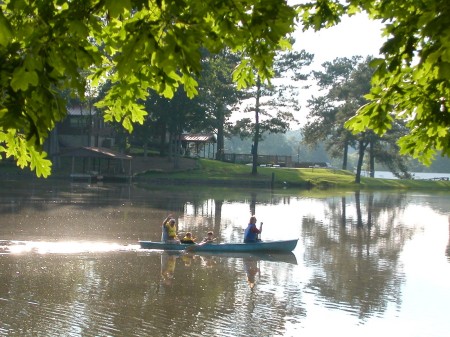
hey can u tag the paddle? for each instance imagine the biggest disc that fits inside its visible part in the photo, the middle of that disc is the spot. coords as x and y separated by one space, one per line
260 231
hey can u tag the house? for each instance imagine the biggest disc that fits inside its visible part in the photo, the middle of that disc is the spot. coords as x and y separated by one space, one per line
84 127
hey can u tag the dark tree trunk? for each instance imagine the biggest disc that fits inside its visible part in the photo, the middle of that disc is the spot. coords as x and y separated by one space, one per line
345 156
372 160
256 137
162 139
361 150
220 135
359 222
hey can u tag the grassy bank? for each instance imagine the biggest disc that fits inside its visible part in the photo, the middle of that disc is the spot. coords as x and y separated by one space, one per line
218 173
215 173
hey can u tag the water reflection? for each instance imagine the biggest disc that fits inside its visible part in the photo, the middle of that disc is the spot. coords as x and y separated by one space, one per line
356 259
168 263
209 260
70 264
447 251
60 247
251 269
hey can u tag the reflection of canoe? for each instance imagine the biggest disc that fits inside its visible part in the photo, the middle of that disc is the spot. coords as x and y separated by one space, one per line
262 246
287 257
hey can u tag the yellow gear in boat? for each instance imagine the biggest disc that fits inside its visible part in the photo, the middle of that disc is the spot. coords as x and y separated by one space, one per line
171 230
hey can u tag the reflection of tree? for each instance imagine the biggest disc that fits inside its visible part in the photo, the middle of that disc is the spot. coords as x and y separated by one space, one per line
358 251
121 293
218 203
447 251
206 210
60 293
253 203
67 209
256 316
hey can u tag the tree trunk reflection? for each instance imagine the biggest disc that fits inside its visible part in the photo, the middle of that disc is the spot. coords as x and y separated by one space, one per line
357 265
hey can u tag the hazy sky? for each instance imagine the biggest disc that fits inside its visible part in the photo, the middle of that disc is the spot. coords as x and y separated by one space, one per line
356 35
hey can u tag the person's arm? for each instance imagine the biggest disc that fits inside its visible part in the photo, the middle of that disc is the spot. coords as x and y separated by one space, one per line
167 219
255 229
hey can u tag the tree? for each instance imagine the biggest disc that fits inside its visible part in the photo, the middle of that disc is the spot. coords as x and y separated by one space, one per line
136 45
170 115
275 101
218 94
346 81
207 112
412 80
328 113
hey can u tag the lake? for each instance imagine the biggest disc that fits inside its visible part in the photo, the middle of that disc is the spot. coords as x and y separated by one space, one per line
415 175
367 264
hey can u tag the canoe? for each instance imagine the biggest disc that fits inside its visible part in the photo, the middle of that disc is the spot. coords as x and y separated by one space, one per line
261 246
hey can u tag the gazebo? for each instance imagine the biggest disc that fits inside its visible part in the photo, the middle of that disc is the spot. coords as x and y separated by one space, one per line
195 142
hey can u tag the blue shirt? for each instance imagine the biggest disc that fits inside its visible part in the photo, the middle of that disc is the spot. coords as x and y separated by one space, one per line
251 233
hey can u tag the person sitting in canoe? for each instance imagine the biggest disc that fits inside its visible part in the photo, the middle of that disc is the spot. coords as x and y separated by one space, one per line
206 240
209 238
188 238
251 232
169 230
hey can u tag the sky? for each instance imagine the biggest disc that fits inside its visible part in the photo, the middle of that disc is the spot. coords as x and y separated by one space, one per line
356 35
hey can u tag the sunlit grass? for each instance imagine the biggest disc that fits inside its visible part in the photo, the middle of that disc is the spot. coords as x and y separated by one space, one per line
212 170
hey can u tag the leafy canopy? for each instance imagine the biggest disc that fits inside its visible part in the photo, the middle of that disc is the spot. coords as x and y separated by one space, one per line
137 45
411 81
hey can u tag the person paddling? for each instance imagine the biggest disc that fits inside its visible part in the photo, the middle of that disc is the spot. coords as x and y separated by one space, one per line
251 232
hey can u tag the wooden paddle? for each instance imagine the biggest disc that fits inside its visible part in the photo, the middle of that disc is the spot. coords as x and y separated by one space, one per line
260 231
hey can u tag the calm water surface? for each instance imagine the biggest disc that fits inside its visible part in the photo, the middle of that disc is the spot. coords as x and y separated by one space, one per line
366 264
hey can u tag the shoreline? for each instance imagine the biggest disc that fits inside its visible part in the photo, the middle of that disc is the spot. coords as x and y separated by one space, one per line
204 172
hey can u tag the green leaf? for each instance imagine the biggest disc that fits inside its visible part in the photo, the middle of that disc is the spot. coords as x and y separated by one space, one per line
285 44
243 75
22 79
190 85
24 152
138 113
5 31
116 7
127 124
39 163
444 70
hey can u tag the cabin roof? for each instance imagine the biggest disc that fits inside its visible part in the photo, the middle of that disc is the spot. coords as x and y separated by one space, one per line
198 138
95 152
